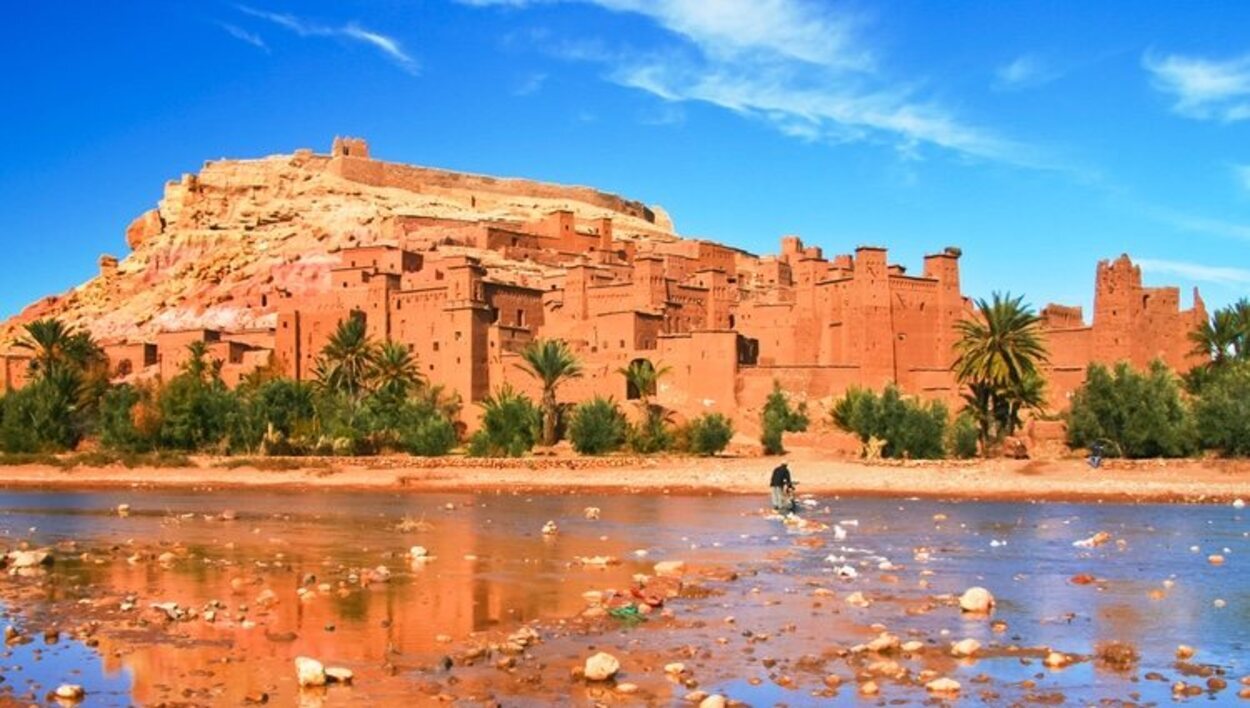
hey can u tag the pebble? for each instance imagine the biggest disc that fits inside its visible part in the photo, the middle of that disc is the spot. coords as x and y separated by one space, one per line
713 701
943 685
70 692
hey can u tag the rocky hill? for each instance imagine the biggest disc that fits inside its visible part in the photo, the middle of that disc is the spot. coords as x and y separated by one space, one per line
219 241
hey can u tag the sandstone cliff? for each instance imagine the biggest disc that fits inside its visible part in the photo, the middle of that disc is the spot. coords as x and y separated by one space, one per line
223 245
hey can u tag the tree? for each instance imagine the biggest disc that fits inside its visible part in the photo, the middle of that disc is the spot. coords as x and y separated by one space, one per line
348 363
1219 337
999 355
52 344
907 427
197 409
1133 414
395 374
1222 412
551 362
651 434
778 418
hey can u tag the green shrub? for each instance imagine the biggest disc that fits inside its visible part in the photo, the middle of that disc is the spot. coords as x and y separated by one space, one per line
196 414
708 434
964 437
431 436
1222 413
44 415
597 426
1134 414
511 425
910 428
652 434
116 424
778 418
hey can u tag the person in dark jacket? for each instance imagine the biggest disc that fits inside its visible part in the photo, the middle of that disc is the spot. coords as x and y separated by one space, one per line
779 483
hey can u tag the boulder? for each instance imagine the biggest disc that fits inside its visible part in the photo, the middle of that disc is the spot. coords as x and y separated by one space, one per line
29 559
713 701
309 672
601 667
965 647
337 674
69 692
976 600
671 569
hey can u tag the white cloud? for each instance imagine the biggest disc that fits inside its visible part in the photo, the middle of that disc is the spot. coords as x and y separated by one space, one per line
1219 275
1242 174
1025 71
243 35
799 65
389 46
530 84
1203 88
1197 224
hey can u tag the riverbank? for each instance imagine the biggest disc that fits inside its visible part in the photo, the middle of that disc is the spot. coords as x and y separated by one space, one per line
1179 481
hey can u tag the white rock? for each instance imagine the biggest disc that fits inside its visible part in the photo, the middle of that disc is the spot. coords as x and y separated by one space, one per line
675 668
943 685
550 528
965 647
123 509
591 512
713 701
976 599
1056 660
69 692
1239 504
601 667
337 674
29 559
310 672
418 552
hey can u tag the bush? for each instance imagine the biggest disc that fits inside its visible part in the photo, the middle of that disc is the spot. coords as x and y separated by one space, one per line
1222 414
431 436
652 434
964 437
117 422
1135 414
778 418
708 434
42 416
511 425
597 426
910 428
196 414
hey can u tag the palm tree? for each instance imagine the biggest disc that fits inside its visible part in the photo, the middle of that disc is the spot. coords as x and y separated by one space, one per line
999 355
349 360
396 374
551 362
1220 338
54 344
643 377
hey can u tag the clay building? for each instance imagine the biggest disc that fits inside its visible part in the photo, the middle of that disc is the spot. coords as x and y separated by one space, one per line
261 259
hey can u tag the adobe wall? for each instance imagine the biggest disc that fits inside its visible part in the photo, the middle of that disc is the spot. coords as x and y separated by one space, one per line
429 180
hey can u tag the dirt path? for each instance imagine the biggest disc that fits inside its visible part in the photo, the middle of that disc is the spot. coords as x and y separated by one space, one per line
1193 481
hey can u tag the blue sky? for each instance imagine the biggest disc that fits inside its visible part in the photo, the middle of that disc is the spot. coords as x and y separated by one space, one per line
1039 137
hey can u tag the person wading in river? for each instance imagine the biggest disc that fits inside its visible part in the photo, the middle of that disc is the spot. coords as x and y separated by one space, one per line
779 483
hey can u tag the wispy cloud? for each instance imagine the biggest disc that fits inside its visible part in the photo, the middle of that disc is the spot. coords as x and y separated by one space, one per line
388 45
1192 223
801 66
1242 175
243 35
530 84
1025 71
1205 89
1219 275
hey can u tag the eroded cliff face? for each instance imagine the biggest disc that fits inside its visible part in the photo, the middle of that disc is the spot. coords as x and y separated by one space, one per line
223 246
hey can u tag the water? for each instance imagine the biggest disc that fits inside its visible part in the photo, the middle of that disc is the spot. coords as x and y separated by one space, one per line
494 570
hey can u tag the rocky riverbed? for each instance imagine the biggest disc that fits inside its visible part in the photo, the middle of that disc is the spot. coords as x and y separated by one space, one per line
316 598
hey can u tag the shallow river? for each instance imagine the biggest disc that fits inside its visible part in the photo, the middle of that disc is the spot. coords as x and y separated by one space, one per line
492 570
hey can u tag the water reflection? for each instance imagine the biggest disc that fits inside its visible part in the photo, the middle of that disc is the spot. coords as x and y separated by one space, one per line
493 569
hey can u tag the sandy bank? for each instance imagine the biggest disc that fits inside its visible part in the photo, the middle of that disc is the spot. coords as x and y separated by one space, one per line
1190 481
